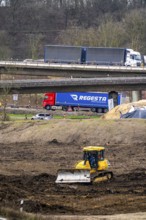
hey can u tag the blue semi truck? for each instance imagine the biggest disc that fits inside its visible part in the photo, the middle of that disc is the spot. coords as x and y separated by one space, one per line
95 101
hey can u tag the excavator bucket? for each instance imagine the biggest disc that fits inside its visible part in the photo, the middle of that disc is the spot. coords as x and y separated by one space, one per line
73 176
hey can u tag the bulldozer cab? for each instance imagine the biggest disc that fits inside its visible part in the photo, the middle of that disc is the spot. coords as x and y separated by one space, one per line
93 156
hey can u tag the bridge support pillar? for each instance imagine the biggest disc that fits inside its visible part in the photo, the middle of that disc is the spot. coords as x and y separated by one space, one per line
136 96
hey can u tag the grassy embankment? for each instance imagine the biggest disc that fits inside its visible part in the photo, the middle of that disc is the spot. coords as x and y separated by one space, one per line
28 116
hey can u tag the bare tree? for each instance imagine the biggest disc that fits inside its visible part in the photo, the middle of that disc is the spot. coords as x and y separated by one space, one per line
135 26
24 21
34 42
111 34
5 52
4 98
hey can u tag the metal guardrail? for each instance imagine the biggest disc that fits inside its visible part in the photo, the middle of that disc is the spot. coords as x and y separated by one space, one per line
36 63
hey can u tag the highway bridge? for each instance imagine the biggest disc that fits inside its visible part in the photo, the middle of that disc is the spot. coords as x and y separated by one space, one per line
68 70
105 84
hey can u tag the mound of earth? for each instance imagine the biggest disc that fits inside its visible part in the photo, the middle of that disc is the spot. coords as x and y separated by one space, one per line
116 112
79 132
32 152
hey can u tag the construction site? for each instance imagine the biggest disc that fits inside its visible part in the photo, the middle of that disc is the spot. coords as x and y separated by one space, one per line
32 152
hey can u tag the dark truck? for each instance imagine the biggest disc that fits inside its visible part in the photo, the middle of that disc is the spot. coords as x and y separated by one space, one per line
64 54
92 55
106 56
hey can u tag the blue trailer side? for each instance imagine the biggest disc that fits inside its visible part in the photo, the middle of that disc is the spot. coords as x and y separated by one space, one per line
98 102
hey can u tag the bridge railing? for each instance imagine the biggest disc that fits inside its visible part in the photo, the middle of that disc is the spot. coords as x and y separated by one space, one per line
41 63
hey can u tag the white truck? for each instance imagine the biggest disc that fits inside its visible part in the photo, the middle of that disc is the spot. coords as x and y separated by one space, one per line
144 60
133 58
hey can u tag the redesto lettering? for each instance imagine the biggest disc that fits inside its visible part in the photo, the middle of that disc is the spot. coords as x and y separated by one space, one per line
89 98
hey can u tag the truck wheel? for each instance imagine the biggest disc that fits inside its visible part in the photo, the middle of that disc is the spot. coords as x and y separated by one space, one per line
48 107
93 109
64 108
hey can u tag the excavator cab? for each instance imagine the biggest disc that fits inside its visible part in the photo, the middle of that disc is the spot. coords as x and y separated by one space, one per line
93 165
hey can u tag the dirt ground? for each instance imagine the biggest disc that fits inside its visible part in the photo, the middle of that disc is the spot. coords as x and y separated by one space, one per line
32 152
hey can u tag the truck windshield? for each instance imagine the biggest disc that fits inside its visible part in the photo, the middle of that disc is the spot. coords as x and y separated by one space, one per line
135 57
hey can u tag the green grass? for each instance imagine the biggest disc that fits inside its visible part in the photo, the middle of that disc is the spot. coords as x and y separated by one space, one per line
23 116
75 116
19 116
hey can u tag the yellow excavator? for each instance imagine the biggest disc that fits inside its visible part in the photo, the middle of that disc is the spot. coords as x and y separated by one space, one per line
93 168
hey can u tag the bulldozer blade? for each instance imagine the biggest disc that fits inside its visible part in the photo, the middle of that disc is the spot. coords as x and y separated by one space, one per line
73 176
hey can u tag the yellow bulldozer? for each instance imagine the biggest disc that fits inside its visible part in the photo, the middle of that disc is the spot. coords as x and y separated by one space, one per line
93 168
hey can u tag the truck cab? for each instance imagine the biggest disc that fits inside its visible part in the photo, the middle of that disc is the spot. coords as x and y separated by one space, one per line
49 100
133 58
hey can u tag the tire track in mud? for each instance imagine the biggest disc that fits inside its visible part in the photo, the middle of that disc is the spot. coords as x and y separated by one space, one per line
41 194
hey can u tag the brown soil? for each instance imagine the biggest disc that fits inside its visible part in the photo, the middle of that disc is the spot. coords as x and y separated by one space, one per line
32 152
